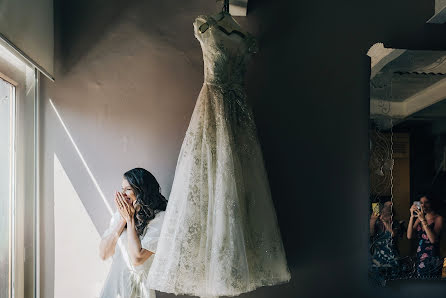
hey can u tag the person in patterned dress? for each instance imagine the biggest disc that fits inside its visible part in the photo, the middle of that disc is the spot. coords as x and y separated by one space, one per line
427 227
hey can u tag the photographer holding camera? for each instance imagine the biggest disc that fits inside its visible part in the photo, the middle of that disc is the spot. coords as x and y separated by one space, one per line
383 243
427 226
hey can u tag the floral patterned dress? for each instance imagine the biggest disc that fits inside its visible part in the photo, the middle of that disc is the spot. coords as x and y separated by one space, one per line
384 249
428 254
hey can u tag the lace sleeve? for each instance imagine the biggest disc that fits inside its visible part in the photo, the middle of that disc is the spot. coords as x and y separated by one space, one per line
150 239
113 222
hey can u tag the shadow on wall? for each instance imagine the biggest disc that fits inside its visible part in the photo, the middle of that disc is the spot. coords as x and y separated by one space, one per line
73 19
76 211
158 19
76 243
81 24
76 236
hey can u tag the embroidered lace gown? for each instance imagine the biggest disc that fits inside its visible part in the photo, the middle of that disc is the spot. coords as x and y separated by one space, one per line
220 235
125 280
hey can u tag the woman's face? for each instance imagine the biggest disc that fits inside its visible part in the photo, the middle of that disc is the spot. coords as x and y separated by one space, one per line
127 192
426 204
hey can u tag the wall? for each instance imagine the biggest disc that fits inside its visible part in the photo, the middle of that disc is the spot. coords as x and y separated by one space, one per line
127 77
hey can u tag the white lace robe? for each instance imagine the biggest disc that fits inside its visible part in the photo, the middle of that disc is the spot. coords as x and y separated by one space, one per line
125 280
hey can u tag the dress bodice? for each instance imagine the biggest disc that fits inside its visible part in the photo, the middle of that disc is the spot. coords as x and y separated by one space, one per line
424 239
225 55
429 262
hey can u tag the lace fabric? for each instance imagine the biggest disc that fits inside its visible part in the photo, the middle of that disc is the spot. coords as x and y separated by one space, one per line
220 235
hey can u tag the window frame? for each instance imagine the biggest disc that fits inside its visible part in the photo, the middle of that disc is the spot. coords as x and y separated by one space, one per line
24 194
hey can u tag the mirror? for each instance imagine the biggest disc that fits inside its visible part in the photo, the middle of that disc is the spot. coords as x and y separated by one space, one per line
407 164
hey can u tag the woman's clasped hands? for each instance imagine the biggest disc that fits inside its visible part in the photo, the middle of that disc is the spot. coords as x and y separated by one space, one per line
126 209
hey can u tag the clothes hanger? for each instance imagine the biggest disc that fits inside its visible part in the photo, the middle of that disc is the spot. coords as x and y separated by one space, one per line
226 6
223 14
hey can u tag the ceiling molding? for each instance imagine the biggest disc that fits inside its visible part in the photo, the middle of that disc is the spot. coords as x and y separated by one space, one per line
440 13
381 56
423 99
392 109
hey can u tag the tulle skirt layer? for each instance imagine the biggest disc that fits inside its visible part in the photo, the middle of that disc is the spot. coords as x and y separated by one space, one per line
220 235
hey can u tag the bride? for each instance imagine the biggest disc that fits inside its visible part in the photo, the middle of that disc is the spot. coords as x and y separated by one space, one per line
132 236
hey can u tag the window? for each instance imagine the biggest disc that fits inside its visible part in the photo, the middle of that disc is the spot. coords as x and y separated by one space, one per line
7 104
18 195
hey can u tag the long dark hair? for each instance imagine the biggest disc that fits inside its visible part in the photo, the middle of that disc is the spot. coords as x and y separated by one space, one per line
149 200
434 203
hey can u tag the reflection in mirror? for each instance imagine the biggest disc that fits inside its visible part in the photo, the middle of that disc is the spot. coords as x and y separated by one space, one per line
407 164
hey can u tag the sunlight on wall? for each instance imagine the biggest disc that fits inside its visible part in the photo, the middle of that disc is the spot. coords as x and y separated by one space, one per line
93 179
79 272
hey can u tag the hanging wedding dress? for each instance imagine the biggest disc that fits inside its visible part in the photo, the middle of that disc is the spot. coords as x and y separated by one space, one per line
220 235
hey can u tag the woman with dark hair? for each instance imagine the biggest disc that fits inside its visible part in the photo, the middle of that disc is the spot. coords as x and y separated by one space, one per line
427 226
135 229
